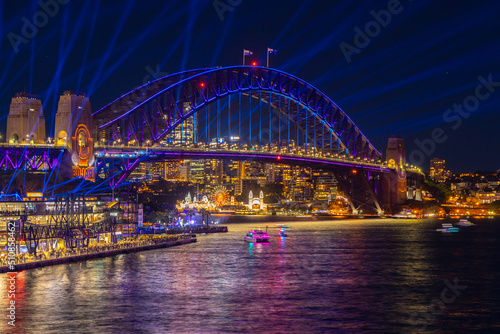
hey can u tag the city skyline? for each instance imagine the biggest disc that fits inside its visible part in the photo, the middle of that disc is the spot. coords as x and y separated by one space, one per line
378 80
208 166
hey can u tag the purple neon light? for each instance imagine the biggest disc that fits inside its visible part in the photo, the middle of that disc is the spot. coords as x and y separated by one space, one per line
11 163
215 154
150 83
30 157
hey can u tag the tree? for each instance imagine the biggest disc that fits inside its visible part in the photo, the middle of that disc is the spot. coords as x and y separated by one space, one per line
273 192
439 191
494 206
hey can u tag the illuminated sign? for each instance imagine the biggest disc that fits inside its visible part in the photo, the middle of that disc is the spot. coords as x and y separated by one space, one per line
34 194
83 153
87 173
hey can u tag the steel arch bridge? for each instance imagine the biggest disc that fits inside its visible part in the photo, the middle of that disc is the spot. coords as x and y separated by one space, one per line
241 112
299 118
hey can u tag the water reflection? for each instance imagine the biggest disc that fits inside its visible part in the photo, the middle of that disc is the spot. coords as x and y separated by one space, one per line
349 276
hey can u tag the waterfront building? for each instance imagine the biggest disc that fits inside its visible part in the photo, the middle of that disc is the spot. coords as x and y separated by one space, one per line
325 185
487 197
301 187
256 203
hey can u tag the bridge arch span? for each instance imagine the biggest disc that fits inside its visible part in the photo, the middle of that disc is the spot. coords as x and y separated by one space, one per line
298 118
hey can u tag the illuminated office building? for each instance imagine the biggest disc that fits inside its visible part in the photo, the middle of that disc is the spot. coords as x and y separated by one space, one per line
438 172
325 185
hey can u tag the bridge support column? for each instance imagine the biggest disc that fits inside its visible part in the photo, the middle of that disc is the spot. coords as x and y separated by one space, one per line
357 188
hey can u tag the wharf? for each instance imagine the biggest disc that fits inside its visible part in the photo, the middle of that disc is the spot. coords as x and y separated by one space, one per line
211 229
97 255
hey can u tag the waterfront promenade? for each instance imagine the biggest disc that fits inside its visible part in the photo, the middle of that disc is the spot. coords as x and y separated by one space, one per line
96 251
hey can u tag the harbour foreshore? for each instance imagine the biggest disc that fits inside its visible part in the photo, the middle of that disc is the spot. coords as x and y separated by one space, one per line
88 254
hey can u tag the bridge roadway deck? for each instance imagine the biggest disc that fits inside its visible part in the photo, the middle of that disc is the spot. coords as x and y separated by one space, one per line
121 152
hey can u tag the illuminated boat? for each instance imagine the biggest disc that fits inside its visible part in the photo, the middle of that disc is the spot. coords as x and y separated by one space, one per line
258 236
465 222
405 215
448 228
282 233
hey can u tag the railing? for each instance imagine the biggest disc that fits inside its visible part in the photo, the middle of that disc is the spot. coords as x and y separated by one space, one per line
91 249
137 151
31 145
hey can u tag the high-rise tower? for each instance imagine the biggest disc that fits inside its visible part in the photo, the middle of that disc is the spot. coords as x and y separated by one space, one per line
25 123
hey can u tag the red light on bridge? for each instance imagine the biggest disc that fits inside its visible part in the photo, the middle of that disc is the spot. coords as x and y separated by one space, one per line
202 84
279 158
254 63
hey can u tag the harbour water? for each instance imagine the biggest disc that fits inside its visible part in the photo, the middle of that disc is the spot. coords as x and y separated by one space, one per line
343 276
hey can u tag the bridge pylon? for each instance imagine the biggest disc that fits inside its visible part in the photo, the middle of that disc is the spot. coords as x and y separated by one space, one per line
359 187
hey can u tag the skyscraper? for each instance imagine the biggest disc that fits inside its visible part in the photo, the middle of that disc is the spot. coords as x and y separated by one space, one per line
438 172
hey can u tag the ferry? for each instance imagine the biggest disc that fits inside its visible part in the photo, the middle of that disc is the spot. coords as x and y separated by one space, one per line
465 222
258 236
448 228
405 215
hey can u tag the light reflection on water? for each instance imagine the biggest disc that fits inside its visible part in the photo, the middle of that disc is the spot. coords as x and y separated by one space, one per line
338 276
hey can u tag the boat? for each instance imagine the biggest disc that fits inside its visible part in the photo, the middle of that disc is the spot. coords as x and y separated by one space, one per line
258 236
282 226
465 222
405 215
447 228
282 233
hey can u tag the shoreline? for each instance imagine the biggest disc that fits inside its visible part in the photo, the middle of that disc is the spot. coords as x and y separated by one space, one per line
83 257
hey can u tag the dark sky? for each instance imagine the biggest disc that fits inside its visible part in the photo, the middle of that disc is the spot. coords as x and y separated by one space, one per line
403 78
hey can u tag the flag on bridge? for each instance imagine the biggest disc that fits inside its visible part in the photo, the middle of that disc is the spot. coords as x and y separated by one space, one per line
247 52
272 51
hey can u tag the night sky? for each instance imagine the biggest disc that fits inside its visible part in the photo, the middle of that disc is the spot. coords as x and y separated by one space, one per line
402 77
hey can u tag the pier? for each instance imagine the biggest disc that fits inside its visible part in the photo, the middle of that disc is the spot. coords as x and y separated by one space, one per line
116 249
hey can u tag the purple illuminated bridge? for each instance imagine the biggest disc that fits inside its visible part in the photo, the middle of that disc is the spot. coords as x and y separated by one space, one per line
237 113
